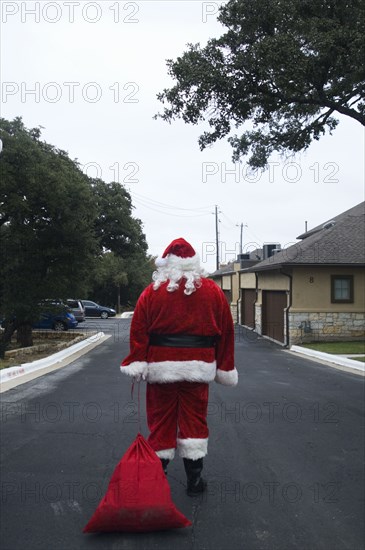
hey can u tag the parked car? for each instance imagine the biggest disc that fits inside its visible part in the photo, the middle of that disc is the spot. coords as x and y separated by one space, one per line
93 309
77 309
55 316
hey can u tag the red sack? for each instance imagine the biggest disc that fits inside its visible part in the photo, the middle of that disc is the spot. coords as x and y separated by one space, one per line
138 496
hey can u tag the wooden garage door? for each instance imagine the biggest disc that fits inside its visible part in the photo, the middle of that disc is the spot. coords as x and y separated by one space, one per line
248 307
273 305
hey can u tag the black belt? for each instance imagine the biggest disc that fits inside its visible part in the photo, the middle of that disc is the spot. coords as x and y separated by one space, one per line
182 340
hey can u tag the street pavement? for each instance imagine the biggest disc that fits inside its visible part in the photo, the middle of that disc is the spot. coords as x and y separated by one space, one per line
284 469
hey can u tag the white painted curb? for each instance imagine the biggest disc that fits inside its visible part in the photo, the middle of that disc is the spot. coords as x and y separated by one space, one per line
20 370
336 359
127 315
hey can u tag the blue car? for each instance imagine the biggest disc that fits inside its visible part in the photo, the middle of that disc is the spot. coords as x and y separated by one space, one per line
56 317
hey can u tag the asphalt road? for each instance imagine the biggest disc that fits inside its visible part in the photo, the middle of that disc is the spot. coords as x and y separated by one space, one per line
284 469
113 325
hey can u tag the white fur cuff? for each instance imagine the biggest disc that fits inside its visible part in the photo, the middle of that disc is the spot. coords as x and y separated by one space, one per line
137 368
192 448
175 371
166 453
227 377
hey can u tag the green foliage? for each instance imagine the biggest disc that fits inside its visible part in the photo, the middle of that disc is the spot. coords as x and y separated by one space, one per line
284 68
122 269
115 227
139 270
119 281
47 214
62 234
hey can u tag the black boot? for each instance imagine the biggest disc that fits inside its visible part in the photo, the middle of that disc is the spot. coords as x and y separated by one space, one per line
164 462
196 483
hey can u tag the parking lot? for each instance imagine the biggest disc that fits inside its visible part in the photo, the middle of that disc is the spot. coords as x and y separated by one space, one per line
119 328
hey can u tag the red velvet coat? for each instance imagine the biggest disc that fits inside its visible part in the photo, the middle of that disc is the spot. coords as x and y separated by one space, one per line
204 312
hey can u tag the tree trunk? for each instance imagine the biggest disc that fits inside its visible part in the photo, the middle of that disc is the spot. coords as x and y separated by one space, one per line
118 300
5 338
24 335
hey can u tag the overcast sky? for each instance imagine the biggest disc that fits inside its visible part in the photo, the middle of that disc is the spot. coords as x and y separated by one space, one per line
89 72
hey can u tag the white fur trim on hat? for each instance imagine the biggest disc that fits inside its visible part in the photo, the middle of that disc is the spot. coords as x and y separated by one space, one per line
192 448
185 264
175 371
137 368
166 453
227 377
160 262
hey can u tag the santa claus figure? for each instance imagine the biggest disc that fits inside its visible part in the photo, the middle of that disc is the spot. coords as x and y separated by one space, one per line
181 338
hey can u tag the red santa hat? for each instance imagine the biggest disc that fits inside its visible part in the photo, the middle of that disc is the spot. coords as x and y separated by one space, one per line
181 254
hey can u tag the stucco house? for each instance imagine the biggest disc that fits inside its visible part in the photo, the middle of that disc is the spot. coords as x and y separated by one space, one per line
313 290
227 277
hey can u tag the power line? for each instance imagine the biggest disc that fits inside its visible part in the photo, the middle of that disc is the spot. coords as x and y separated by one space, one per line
174 214
248 229
228 219
167 206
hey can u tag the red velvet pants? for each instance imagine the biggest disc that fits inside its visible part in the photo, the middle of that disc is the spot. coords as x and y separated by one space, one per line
177 417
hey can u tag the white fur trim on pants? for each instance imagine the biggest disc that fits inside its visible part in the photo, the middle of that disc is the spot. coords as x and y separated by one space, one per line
166 453
227 377
176 371
192 448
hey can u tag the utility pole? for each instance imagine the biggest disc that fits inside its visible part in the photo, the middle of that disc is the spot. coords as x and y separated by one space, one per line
241 236
216 237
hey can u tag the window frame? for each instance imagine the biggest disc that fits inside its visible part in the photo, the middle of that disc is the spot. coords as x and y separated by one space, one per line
335 300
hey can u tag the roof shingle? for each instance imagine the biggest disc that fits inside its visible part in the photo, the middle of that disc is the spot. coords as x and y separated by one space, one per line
341 243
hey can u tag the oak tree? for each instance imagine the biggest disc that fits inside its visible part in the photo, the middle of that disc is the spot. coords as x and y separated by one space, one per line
47 215
282 73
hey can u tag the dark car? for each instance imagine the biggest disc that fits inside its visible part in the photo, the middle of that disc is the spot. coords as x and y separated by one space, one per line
93 309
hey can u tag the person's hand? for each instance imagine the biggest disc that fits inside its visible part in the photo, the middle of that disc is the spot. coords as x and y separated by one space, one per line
140 376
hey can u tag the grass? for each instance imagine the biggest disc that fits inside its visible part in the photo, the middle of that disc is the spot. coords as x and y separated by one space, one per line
51 340
338 348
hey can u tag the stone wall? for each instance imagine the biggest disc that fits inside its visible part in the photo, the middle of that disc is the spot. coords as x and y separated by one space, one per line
326 326
234 312
258 318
